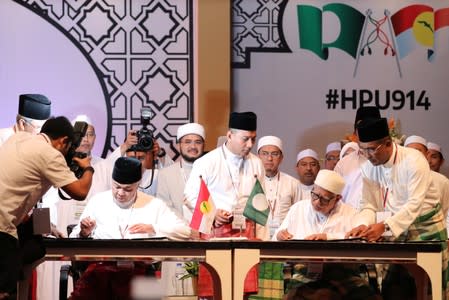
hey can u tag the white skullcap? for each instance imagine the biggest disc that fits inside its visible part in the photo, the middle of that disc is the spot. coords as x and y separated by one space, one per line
350 145
335 146
269 140
82 118
415 139
330 181
190 128
306 153
433 146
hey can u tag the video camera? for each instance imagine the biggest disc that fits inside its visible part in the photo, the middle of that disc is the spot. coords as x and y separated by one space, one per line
144 135
79 131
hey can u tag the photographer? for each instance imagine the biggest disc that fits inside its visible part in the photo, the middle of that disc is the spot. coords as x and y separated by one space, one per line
31 164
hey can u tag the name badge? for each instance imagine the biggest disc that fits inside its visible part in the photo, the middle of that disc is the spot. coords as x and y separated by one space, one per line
239 221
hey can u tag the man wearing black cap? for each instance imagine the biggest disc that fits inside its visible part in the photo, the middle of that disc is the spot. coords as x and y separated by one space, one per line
349 166
229 173
399 198
34 110
30 165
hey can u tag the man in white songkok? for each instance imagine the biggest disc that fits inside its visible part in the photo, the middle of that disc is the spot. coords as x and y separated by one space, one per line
307 167
435 156
281 189
441 181
332 155
322 217
172 179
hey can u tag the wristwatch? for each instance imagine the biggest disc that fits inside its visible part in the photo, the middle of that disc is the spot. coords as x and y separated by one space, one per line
387 227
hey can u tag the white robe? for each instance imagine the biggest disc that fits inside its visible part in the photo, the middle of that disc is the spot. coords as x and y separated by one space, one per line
229 179
282 191
302 220
349 168
113 221
411 190
304 191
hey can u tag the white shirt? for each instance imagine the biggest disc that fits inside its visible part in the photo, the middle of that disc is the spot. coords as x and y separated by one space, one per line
228 177
281 191
411 191
302 220
349 168
304 191
113 221
171 182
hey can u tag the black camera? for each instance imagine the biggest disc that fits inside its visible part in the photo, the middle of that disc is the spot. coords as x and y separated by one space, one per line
144 135
79 131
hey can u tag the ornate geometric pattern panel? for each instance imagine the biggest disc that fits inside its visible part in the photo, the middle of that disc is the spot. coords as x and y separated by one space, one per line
142 53
255 29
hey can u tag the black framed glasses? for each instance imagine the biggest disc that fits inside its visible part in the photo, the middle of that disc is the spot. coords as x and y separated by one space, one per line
323 200
370 151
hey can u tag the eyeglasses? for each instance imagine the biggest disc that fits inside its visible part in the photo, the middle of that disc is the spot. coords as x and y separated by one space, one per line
323 201
37 128
190 142
332 157
274 154
370 151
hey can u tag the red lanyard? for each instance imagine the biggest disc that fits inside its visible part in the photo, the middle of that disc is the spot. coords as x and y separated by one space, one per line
387 190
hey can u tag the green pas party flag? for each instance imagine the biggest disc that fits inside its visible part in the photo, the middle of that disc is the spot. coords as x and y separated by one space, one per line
311 26
257 208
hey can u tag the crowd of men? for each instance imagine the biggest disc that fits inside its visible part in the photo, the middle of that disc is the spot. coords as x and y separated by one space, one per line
370 188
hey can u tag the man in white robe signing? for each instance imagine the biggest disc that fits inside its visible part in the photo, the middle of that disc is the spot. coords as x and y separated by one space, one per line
322 217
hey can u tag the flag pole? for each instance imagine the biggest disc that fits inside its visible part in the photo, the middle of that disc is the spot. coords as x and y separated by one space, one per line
368 13
393 38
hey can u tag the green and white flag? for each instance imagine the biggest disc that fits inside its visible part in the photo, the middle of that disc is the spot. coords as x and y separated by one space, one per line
311 27
257 208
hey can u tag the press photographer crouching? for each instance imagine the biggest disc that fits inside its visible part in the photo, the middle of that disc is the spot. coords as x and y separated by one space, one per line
30 165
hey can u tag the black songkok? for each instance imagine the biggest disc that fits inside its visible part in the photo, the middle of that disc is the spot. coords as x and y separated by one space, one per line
127 170
366 112
243 121
34 106
370 130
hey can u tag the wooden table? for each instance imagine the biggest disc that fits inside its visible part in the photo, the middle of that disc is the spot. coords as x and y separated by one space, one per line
217 255
428 255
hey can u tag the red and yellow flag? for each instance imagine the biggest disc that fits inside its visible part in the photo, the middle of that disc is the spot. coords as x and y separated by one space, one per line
204 213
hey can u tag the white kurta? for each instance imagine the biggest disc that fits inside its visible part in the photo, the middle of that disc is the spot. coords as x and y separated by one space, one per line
229 178
411 190
112 221
171 182
349 168
304 191
281 191
302 220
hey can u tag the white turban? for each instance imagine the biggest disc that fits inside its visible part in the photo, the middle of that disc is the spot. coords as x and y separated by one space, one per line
269 140
415 139
330 181
335 146
82 118
306 153
191 128
350 145
433 146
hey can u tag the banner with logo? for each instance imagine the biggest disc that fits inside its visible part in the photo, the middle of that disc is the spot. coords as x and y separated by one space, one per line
336 56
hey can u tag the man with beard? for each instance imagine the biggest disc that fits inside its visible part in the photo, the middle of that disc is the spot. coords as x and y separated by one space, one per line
307 167
172 179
